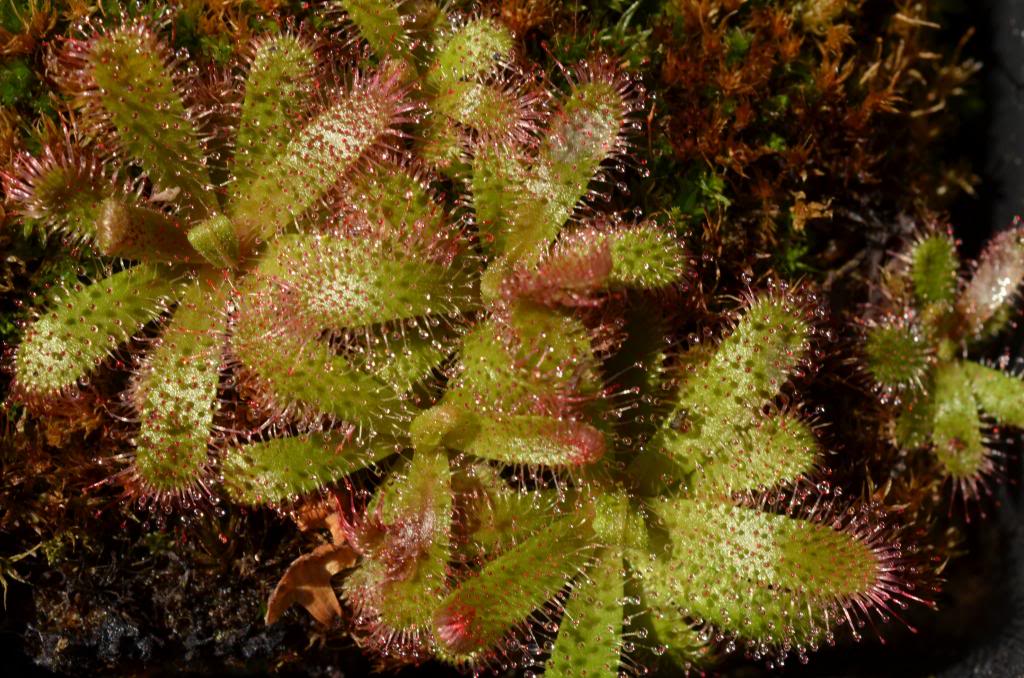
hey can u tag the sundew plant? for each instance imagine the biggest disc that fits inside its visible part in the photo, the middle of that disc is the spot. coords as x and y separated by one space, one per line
378 284
132 178
917 354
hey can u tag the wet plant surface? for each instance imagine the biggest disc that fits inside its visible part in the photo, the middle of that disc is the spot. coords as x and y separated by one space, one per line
544 270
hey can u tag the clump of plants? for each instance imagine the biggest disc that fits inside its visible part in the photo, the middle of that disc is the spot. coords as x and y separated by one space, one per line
394 290
538 508
916 353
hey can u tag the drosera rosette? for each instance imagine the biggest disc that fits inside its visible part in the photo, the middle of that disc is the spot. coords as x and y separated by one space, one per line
685 527
184 245
514 396
301 298
585 565
916 353
533 518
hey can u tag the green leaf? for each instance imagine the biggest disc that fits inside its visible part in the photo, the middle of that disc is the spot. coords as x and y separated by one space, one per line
394 197
913 425
139 94
216 240
717 430
442 146
589 639
676 639
483 609
404 573
361 281
751 364
769 578
296 373
280 469
589 261
177 393
319 155
81 329
584 134
535 440
933 268
1000 395
760 455
497 516
764 350
525 364
645 257
956 425
472 51
493 112
63 189
898 356
134 232
409 358
498 187
277 92
995 284
380 24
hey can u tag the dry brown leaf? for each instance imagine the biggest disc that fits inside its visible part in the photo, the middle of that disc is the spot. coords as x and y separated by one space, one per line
307 581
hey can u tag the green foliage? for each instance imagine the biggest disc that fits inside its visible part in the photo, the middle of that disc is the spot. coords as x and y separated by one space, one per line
470 52
316 159
178 388
276 470
85 323
482 610
897 355
127 70
405 541
359 320
277 93
917 354
623 28
715 428
723 437
135 100
526 392
16 80
999 395
739 585
934 266
379 23
590 635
